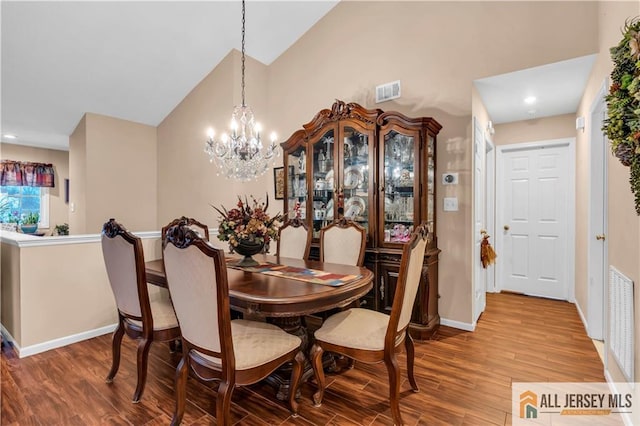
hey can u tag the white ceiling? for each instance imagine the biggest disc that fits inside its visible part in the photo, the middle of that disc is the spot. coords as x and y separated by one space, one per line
557 89
131 60
138 60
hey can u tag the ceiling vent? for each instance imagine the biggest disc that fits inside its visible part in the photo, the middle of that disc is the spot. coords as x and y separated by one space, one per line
388 91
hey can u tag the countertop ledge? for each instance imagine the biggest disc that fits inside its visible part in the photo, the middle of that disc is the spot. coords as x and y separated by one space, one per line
25 240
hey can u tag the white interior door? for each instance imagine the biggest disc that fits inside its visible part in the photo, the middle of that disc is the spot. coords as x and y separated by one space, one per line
535 218
490 201
596 239
480 274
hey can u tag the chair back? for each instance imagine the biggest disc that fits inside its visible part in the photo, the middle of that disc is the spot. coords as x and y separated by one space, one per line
343 242
197 280
199 227
294 240
124 259
408 281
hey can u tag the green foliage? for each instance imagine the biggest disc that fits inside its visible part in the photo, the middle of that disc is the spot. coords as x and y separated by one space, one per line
622 125
62 229
30 219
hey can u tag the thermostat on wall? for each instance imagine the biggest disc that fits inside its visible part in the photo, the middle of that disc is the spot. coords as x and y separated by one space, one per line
449 178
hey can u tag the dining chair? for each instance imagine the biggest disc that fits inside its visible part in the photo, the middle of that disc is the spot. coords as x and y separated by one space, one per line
372 337
344 242
192 223
294 240
214 347
141 317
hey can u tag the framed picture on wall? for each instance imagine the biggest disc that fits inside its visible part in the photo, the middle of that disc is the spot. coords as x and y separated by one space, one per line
278 182
66 191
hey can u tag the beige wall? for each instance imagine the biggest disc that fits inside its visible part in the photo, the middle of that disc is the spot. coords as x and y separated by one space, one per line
354 48
436 49
58 209
623 234
10 312
539 129
187 182
70 273
120 174
78 178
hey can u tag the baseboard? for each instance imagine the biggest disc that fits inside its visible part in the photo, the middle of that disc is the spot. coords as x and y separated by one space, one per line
457 324
56 343
583 318
626 417
7 337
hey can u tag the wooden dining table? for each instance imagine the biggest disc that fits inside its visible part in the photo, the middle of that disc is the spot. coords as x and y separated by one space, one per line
282 300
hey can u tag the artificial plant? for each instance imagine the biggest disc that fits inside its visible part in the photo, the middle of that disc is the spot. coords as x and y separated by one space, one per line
622 125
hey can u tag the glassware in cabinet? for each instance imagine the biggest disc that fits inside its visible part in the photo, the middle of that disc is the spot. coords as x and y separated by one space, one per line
296 178
323 211
355 176
399 186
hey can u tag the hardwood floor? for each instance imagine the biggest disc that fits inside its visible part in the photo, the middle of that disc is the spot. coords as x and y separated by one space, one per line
464 378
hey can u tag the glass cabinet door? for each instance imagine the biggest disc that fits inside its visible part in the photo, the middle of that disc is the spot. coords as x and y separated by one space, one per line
323 182
296 176
431 185
399 189
355 176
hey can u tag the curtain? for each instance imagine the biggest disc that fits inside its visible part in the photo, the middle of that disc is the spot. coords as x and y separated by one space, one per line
18 173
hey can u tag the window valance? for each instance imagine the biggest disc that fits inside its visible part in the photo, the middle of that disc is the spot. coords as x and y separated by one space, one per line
21 173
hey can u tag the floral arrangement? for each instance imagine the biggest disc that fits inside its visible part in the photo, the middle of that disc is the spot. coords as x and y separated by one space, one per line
249 223
622 126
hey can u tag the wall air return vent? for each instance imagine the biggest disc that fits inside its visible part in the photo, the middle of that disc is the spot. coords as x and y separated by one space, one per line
388 91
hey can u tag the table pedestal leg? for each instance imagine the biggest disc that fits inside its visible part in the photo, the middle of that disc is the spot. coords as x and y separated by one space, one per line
280 379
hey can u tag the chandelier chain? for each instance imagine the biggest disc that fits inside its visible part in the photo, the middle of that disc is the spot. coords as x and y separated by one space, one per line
243 24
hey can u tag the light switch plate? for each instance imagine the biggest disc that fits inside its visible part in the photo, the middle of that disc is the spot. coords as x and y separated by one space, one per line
451 204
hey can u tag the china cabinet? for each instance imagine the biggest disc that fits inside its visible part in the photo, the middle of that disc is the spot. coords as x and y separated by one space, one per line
375 168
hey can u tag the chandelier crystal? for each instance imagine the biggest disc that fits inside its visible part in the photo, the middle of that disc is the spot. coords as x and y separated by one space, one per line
240 154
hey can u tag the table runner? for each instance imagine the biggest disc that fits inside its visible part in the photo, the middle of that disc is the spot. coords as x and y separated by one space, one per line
301 274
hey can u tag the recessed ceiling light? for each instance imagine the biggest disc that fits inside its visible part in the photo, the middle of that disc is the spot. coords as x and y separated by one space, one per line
530 100
8 136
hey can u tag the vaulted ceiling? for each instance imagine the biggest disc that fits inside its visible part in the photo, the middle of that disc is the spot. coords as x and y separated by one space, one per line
138 60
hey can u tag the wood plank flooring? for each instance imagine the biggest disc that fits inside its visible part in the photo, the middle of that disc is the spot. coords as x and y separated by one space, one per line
464 378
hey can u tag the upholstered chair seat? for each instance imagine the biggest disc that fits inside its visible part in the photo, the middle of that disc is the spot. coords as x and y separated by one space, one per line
355 328
374 337
144 313
161 310
256 343
216 349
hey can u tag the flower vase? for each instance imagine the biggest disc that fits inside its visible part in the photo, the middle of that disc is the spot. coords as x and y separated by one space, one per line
29 228
247 249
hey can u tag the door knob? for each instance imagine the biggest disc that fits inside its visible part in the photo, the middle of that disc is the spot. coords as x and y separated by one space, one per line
506 227
601 237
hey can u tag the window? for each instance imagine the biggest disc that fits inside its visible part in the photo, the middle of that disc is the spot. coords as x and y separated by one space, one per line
22 200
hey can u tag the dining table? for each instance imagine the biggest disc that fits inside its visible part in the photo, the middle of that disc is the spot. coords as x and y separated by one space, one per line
283 291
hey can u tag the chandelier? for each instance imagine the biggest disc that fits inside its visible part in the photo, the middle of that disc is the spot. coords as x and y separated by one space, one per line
240 154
